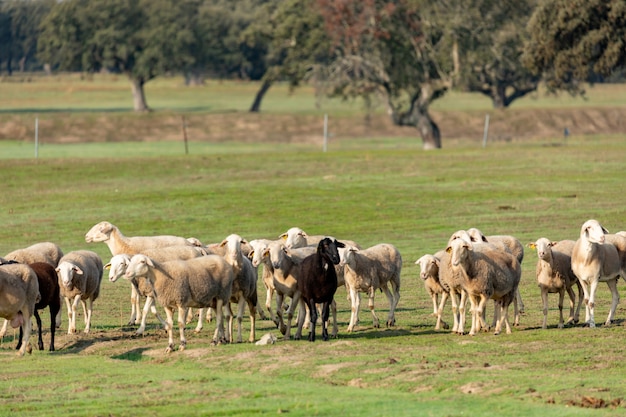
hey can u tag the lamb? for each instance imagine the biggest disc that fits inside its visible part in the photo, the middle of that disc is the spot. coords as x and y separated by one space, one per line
199 283
244 288
317 283
118 243
50 297
80 275
429 272
595 260
371 269
19 293
117 268
486 273
555 275
258 246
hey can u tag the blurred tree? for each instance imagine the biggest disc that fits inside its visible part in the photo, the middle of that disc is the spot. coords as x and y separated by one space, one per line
139 38
19 31
570 40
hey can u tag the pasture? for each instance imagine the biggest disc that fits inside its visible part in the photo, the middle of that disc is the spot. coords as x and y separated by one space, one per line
372 191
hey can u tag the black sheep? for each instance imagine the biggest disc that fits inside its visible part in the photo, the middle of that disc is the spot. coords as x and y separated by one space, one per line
317 282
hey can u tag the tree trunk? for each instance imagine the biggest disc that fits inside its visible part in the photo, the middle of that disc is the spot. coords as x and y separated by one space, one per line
139 97
417 116
498 97
194 78
256 104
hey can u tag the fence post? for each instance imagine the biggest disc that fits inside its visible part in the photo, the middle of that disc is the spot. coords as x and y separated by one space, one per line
36 137
185 135
486 130
325 132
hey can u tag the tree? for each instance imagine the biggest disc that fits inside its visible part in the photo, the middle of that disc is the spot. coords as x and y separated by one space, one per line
286 39
572 39
488 39
19 30
139 38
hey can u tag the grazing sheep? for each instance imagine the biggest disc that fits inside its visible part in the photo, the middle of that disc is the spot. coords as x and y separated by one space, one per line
555 275
244 290
593 261
486 273
80 274
19 293
429 272
118 243
317 283
372 269
199 283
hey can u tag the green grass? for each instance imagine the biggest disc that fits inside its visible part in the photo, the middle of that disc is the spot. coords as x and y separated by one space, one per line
385 190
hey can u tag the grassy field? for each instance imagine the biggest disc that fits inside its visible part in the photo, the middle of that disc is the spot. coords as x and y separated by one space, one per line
379 189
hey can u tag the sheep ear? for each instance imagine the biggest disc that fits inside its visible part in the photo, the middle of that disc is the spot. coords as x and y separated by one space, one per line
149 262
251 254
339 244
606 232
303 234
483 238
283 236
77 270
553 243
107 266
449 249
266 252
532 245
224 242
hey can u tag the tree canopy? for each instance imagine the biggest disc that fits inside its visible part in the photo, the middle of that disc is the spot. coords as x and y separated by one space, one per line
570 40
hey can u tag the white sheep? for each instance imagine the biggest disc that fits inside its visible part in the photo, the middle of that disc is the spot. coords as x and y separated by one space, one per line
244 289
593 261
118 243
451 281
80 275
298 238
143 288
258 246
199 283
19 292
46 252
486 273
554 275
372 269
429 273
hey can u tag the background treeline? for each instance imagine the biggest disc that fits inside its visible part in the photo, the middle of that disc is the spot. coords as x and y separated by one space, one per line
402 54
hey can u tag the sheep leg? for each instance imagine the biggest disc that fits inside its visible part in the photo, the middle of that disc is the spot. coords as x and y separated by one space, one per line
72 313
200 320
302 314
455 311
370 304
355 301
280 323
333 309
295 300
480 314
269 293
544 302
182 320
59 314
325 316
561 299
40 338
229 327
580 302
252 308
572 304
88 308
149 305
55 309
442 303
614 300
313 313
503 307
25 331
170 329
583 284
462 304
5 326
473 309
591 304
434 297
391 317
134 301
240 310
518 301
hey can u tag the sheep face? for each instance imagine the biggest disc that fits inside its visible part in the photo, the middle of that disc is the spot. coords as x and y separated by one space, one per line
139 266
233 244
459 251
428 264
294 238
593 231
117 267
66 272
544 248
276 254
476 235
327 248
99 233
258 249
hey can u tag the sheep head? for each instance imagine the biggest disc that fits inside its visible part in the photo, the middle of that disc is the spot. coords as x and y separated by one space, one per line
99 233
459 251
139 266
593 231
66 271
327 249
428 266
117 266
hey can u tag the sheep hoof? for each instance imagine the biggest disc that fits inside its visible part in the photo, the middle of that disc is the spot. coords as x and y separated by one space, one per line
446 326
40 346
182 346
29 349
169 349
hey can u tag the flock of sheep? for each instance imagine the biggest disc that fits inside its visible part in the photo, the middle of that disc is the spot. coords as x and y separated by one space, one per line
182 273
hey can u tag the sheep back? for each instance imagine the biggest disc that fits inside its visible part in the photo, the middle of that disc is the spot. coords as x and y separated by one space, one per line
47 252
19 292
375 266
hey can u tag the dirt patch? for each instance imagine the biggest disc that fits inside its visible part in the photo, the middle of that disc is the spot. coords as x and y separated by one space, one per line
505 125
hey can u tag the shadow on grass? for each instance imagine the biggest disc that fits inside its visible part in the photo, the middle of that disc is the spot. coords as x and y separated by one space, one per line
134 355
